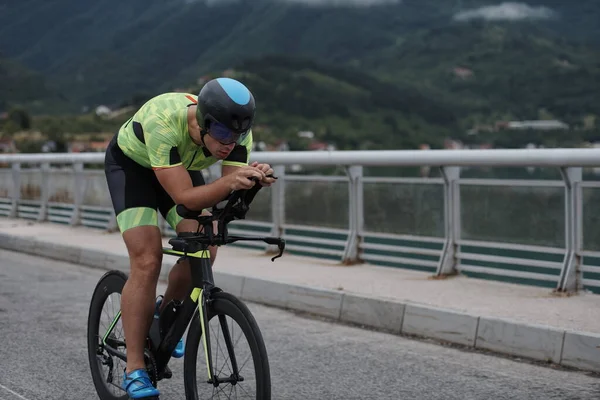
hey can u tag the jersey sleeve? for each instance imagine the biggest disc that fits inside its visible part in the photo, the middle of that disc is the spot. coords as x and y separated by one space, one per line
161 143
240 155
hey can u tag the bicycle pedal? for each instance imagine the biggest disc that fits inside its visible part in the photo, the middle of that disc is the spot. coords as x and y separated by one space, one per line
168 374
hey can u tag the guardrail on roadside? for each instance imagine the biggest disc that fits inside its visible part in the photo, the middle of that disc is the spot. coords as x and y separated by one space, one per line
521 230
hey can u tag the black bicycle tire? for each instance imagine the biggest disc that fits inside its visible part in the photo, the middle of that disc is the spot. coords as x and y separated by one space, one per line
110 282
227 304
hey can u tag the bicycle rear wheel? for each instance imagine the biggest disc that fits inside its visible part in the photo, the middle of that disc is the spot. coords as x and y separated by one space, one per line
229 312
107 370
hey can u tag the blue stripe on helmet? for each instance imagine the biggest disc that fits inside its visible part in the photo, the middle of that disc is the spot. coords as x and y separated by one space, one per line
235 90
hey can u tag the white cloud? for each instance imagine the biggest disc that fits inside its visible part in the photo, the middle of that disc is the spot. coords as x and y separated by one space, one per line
506 11
357 3
340 3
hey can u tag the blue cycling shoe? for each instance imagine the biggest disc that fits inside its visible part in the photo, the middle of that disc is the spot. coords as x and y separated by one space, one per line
179 350
138 385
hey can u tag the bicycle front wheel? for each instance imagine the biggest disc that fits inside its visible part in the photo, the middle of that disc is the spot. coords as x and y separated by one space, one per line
237 346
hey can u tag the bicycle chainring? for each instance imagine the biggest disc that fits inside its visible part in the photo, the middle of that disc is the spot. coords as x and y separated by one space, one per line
151 366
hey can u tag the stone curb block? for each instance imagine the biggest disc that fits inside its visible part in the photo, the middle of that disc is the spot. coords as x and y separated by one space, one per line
581 350
373 313
326 303
265 292
446 325
533 341
569 348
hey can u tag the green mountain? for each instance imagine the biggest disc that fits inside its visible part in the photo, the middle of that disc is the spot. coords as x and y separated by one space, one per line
397 68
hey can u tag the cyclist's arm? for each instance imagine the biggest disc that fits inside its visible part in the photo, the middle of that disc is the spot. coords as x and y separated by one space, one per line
161 143
177 183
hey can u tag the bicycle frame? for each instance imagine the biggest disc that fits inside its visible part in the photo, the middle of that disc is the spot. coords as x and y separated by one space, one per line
197 298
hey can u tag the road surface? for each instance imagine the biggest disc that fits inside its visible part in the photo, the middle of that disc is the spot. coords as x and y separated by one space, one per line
43 314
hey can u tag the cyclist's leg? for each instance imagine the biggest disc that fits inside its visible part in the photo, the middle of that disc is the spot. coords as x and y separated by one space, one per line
179 276
134 199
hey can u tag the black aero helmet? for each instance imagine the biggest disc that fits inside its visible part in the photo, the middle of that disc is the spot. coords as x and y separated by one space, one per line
228 102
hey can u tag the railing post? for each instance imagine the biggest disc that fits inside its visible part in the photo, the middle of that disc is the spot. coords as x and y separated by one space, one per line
570 275
16 190
355 214
277 204
44 192
447 263
78 192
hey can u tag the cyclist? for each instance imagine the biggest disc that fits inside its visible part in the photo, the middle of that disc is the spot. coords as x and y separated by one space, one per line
155 161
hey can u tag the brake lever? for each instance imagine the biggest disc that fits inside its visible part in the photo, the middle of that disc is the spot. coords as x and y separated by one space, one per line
280 245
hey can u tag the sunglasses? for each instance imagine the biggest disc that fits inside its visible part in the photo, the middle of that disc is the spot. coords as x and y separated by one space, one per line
222 134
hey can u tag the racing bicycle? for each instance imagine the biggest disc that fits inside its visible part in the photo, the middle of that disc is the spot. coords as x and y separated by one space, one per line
205 303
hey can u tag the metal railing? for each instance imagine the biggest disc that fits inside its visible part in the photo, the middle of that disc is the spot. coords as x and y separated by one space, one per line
520 230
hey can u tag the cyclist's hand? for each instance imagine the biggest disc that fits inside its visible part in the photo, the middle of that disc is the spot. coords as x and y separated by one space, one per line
266 168
240 179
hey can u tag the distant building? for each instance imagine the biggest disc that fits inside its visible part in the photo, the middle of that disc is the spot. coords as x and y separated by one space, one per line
102 111
462 72
7 145
537 125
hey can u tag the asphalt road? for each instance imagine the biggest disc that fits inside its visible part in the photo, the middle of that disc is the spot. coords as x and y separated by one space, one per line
43 316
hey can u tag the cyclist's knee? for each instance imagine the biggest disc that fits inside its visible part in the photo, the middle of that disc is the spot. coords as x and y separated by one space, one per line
147 265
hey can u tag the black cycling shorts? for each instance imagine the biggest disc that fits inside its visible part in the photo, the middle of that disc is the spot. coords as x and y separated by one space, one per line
136 193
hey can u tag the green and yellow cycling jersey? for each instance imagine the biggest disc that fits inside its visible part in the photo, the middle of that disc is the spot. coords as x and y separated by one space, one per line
157 136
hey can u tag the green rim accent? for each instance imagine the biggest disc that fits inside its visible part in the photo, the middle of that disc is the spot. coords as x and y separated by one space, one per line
111 327
139 216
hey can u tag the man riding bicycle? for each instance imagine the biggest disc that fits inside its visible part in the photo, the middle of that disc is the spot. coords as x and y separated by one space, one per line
155 162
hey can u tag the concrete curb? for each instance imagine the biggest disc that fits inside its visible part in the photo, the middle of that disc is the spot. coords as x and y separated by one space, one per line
579 350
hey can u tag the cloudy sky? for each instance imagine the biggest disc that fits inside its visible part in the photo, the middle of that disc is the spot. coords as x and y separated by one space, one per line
506 11
363 3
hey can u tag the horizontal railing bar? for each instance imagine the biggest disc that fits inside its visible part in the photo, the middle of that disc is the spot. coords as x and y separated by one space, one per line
96 217
316 250
66 213
509 260
316 178
30 209
591 268
28 202
509 273
96 208
510 246
407 180
317 241
550 157
590 253
510 182
312 228
98 224
399 260
395 236
400 249
590 282
53 204
590 184
59 218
